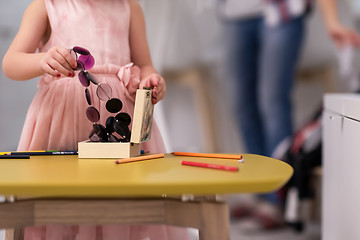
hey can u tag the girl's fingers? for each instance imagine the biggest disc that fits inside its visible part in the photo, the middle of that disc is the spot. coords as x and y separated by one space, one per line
70 63
160 96
158 93
154 81
143 84
157 83
64 66
54 64
51 71
159 88
154 101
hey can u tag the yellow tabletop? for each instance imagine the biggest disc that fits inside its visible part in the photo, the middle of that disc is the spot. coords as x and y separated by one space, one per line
68 176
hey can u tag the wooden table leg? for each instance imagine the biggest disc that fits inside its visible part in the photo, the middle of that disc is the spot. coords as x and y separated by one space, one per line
211 218
9 234
14 234
215 221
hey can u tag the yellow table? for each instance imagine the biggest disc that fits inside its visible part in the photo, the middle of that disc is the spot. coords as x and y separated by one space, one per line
97 191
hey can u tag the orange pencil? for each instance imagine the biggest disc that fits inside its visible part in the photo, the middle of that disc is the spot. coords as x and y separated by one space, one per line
140 158
208 155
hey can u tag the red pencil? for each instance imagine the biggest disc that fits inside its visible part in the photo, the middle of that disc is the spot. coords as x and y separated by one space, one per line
210 165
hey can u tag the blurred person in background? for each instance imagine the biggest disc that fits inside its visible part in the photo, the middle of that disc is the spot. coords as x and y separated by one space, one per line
263 40
346 39
341 35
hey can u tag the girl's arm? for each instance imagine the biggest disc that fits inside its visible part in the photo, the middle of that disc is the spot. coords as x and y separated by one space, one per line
340 34
21 62
140 53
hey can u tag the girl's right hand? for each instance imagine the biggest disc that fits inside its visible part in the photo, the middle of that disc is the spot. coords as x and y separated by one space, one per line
57 61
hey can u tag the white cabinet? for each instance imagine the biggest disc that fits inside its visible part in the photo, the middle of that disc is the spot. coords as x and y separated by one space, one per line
341 167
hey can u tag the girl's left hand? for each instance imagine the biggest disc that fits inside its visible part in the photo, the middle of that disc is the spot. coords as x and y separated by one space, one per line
157 84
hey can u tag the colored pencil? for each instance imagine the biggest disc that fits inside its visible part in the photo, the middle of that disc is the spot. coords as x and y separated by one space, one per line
208 155
140 158
45 153
210 165
14 156
3 153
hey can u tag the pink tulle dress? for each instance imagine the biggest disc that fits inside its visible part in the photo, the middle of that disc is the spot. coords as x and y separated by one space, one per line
56 118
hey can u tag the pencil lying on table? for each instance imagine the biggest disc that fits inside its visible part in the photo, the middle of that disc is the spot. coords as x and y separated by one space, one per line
140 158
210 165
40 153
208 155
14 156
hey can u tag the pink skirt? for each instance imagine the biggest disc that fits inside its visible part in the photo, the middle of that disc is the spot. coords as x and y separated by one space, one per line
106 232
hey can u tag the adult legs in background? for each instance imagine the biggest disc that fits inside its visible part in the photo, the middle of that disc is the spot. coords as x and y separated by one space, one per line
242 53
261 64
280 48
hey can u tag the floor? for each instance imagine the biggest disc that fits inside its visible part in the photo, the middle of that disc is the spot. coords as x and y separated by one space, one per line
312 232
247 228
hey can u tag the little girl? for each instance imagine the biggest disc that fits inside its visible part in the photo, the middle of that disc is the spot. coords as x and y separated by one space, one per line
114 32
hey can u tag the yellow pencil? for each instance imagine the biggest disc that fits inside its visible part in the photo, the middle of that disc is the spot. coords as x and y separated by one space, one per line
209 155
140 158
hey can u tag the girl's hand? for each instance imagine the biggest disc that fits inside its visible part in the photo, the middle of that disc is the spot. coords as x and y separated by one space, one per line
157 84
57 61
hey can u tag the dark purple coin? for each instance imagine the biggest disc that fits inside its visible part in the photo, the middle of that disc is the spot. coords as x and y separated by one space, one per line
88 96
87 60
110 121
100 130
123 118
92 114
91 133
122 130
114 105
83 79
126 139
112 138
81 50
79 66
91 78
94 137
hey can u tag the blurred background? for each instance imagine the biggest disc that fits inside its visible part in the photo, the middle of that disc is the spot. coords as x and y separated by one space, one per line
187 41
